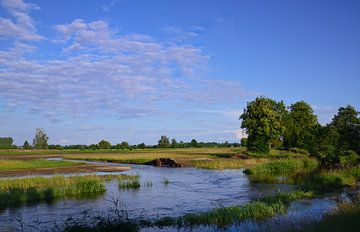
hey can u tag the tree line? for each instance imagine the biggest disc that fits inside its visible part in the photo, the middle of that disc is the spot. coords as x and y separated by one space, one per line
40 141
271 125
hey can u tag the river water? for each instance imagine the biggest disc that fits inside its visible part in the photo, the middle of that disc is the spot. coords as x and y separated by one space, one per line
190 190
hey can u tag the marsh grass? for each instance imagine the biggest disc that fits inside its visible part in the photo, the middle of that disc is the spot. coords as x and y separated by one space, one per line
283 167
333 180
35 163
15 192
129 184
165 181
227 163
225 216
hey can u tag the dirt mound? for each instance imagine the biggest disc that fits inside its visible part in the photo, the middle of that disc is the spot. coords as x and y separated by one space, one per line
164 162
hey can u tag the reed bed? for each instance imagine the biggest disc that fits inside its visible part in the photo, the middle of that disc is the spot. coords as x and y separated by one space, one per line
226 216
14 192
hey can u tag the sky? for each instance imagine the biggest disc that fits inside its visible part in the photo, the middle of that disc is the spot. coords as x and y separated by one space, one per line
135 70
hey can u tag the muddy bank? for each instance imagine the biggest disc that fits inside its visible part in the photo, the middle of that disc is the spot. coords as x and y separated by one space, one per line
84 168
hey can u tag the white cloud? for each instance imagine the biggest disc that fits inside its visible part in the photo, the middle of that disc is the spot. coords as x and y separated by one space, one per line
23 27
102 71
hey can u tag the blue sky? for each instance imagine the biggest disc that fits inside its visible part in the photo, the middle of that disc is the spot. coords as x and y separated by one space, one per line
134 70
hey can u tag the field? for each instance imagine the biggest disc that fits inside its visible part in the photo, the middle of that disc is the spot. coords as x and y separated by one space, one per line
6 165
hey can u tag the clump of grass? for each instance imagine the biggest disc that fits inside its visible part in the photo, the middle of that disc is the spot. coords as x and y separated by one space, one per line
165 181
14 192
286 198
333 180
132 184
222 217
148 184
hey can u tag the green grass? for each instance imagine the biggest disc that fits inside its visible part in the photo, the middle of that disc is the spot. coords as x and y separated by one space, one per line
129 184
333 180
6 165
283 167
14 192
225 216
230 163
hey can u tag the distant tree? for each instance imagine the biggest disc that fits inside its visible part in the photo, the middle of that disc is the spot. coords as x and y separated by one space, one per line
263 120
141 146
163 142
347 124
194 143
300 126
174 143
6 142
94 146
26 145
124 145
41 140
103 144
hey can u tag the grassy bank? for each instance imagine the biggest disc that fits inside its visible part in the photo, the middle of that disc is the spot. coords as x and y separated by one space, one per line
6 165
229 163
14 192
333 180
290 171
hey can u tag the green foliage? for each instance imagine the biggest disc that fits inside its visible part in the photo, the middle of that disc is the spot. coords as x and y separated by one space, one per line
174 143
132 184
263 120
141 146
6 142
347 124
124 145
103 144
41 139
26 145
163 142
301 125
225 216
333 180
193 143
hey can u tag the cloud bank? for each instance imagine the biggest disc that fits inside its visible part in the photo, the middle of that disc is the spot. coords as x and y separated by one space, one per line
99 70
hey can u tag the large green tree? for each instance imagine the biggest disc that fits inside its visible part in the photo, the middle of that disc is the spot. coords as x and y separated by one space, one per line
41 139
300 126
347 124
263 120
